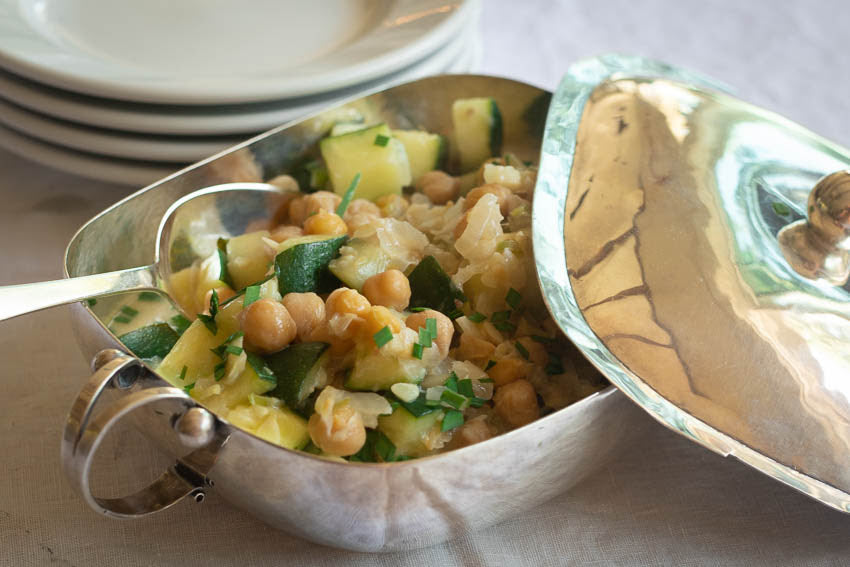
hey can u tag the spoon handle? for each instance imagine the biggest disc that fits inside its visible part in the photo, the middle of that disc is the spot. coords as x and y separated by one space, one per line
25 298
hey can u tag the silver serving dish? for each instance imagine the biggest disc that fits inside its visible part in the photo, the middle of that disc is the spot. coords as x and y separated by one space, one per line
368 507
673 247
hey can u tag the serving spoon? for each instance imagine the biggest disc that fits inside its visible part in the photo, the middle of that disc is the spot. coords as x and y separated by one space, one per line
215 211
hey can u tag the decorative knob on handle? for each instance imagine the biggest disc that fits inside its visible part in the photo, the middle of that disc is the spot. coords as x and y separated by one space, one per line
819 248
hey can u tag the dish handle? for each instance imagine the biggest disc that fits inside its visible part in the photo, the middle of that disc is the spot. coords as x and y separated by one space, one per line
84 431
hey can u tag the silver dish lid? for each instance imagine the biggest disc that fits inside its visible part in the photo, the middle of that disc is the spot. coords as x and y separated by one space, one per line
697 249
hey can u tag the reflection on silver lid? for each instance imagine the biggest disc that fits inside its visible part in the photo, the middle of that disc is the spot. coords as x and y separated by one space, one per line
669 196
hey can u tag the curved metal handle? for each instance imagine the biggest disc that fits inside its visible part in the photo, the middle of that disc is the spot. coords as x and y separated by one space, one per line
84 433
25 298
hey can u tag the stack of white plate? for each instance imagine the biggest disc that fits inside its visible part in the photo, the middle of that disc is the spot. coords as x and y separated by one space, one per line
129 92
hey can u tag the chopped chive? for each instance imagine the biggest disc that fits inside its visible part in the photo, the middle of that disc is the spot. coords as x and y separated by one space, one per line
121 319
381 140
452 419
513 298
221 248
349 194
259 366
486 380
417 309
432 403
183 373
465 387
455 400
555 366
431 325
424 338
252 294
148 296
490 364
500 316
234 349
451 382
417 351
219 370
92 302
521 349
781 209
209 323
129 311
476 402
542 340
384 448
455 314
419 406
214 303
476 317
242 291
505 326
188 387
383 336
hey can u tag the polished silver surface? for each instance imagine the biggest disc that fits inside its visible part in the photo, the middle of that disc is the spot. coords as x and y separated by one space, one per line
670 276
225 209
819 246
369 507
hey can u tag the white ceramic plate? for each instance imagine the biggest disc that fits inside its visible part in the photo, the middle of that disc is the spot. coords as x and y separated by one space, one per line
183 149
216 120
219 51
119 171
127 171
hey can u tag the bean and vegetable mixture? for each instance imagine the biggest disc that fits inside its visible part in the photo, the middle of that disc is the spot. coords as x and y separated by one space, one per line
391 312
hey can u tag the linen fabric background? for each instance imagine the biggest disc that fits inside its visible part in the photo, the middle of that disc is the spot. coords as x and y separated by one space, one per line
663 501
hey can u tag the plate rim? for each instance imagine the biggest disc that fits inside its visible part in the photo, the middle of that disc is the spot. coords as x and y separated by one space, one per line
21 50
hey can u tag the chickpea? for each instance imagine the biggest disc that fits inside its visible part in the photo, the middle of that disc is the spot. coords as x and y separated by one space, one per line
392 205
344 300
516 403
324 222
445 327
377 318
508 370
304 206
361 207
268 326
470 433
285 232
536 352
342 435
389 288
503 195
471 348
438 186
224 293
339 346
307 310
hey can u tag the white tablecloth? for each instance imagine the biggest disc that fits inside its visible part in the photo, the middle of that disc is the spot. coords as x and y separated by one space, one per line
664 501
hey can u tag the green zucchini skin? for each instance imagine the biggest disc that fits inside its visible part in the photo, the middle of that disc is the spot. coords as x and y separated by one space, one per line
295 368
152 341
431 287
304 267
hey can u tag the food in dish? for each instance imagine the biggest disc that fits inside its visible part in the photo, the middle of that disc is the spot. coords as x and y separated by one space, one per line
390 312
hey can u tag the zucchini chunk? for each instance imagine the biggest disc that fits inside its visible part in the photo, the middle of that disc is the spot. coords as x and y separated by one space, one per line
425 151
299 370
410 434
151 342
478 130
375 372
431 287
358 261
304 267
247 259
380 159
